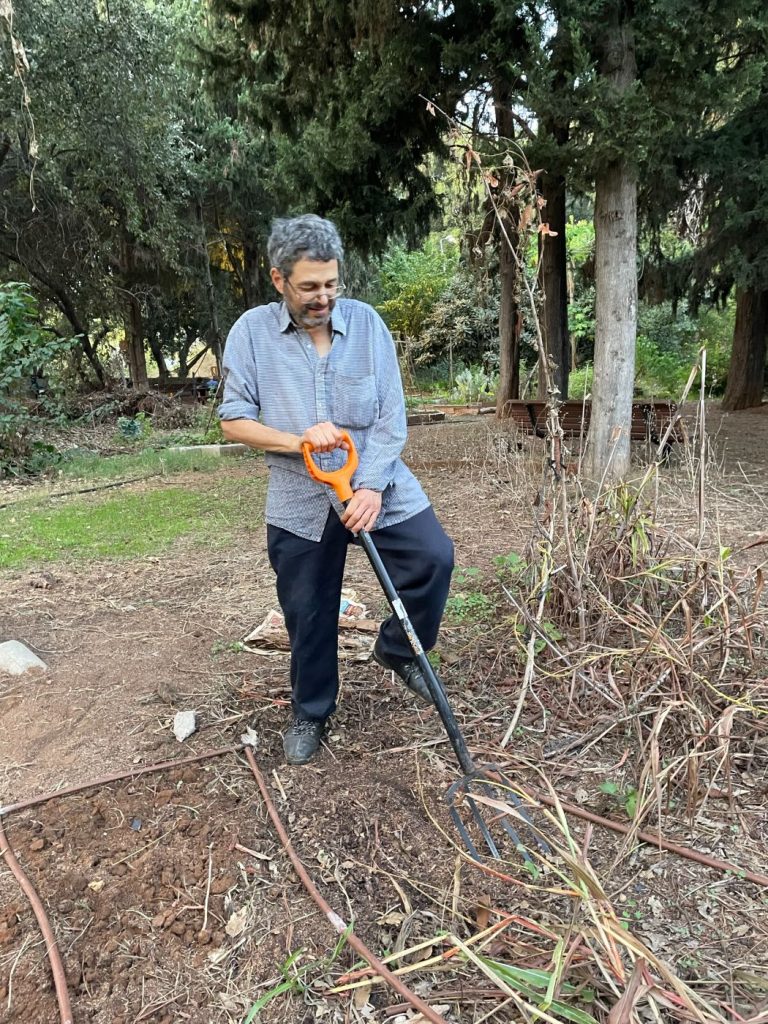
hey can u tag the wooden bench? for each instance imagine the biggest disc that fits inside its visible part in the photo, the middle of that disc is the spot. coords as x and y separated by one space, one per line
650 419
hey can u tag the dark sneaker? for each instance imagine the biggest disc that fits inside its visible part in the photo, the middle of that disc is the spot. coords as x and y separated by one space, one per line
301 740
408 670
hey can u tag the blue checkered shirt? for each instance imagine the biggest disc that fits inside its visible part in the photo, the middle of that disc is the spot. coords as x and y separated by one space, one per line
272 373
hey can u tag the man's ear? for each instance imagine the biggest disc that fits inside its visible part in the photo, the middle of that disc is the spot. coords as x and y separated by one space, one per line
277 279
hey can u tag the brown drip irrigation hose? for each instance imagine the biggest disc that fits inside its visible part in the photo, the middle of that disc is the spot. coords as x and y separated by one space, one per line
338 923
57 967
651 837
118 777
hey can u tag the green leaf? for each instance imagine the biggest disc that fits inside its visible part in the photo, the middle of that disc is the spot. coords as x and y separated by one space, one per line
531 983
609 787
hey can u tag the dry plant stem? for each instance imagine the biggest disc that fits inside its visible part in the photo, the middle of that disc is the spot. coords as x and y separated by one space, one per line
57 967
338 924
575 575
105 780
650 837
702 446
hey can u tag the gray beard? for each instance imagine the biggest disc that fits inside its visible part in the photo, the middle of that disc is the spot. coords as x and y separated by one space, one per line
310 322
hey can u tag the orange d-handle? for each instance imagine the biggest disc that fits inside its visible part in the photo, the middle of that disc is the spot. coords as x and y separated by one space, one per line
338 479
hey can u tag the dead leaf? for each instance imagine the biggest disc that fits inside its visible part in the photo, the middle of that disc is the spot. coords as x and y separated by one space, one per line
237 923
394 917
361 996
483 913
622 1012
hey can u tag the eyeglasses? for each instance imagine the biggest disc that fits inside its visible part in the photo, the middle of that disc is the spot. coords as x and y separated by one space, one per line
308 292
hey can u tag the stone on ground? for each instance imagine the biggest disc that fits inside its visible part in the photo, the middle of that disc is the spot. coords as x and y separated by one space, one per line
184 724
16 659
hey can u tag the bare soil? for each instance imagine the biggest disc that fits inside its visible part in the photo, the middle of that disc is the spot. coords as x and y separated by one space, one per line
160 918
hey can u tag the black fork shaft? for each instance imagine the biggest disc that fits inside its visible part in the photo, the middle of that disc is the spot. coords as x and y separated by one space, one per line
436 689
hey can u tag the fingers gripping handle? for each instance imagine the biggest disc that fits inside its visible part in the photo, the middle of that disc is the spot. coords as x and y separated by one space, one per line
339 479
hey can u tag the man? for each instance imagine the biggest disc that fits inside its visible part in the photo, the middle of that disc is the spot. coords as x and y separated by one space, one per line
304 369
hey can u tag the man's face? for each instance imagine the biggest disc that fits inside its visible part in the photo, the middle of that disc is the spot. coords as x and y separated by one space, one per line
309 291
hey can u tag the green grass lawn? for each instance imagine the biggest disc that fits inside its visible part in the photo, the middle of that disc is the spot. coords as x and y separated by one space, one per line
93 467
123 524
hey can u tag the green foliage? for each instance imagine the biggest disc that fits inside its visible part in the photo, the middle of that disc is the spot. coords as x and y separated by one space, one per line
535 985
716 332
412 281
468 604
27 352
134 428
626 798
581 319
462 325
474 384
580 381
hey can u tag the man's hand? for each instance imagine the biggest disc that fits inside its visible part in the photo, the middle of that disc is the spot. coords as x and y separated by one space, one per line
324 437
362 511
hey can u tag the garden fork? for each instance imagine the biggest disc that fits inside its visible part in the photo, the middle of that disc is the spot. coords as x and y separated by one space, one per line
476 779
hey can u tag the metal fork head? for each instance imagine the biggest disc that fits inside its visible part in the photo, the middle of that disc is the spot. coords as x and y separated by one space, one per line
484 782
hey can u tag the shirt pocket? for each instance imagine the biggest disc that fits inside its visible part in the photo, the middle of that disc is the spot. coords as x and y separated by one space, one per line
355 400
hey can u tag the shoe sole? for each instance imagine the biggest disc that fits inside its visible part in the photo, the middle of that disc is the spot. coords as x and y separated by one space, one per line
295 762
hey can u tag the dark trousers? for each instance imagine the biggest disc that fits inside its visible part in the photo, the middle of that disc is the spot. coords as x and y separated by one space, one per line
418 556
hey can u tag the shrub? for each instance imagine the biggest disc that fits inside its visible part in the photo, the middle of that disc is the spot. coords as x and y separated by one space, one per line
27 351
412 282
716 332
463 321
473 383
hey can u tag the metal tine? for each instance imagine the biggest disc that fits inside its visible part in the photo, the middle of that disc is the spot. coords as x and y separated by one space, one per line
513 834
479 821
462 787
461 828
511 797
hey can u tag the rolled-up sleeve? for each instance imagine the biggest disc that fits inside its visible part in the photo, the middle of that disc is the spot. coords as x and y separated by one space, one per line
241 385
379 459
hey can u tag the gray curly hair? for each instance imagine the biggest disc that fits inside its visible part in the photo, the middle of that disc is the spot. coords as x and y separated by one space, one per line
306 237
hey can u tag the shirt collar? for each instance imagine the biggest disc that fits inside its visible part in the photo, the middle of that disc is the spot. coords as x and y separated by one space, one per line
338 323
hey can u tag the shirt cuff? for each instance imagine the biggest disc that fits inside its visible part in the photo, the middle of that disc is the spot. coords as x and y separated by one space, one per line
238 410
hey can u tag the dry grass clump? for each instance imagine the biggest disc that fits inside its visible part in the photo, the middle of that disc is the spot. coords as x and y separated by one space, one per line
615 609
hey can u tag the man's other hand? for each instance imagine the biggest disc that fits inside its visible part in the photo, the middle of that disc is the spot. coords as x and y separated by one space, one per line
362 511
324 437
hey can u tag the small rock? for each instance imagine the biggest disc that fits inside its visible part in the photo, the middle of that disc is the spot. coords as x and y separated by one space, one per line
184 724
16 659
36 845
250 738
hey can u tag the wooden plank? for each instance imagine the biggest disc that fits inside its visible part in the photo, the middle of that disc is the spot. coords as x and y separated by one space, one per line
649 418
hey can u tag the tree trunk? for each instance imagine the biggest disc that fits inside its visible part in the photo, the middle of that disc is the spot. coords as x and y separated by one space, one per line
254 278
134 344
218 348
509 310
509 324
554 282
746 370
608 442
157 355
553 276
